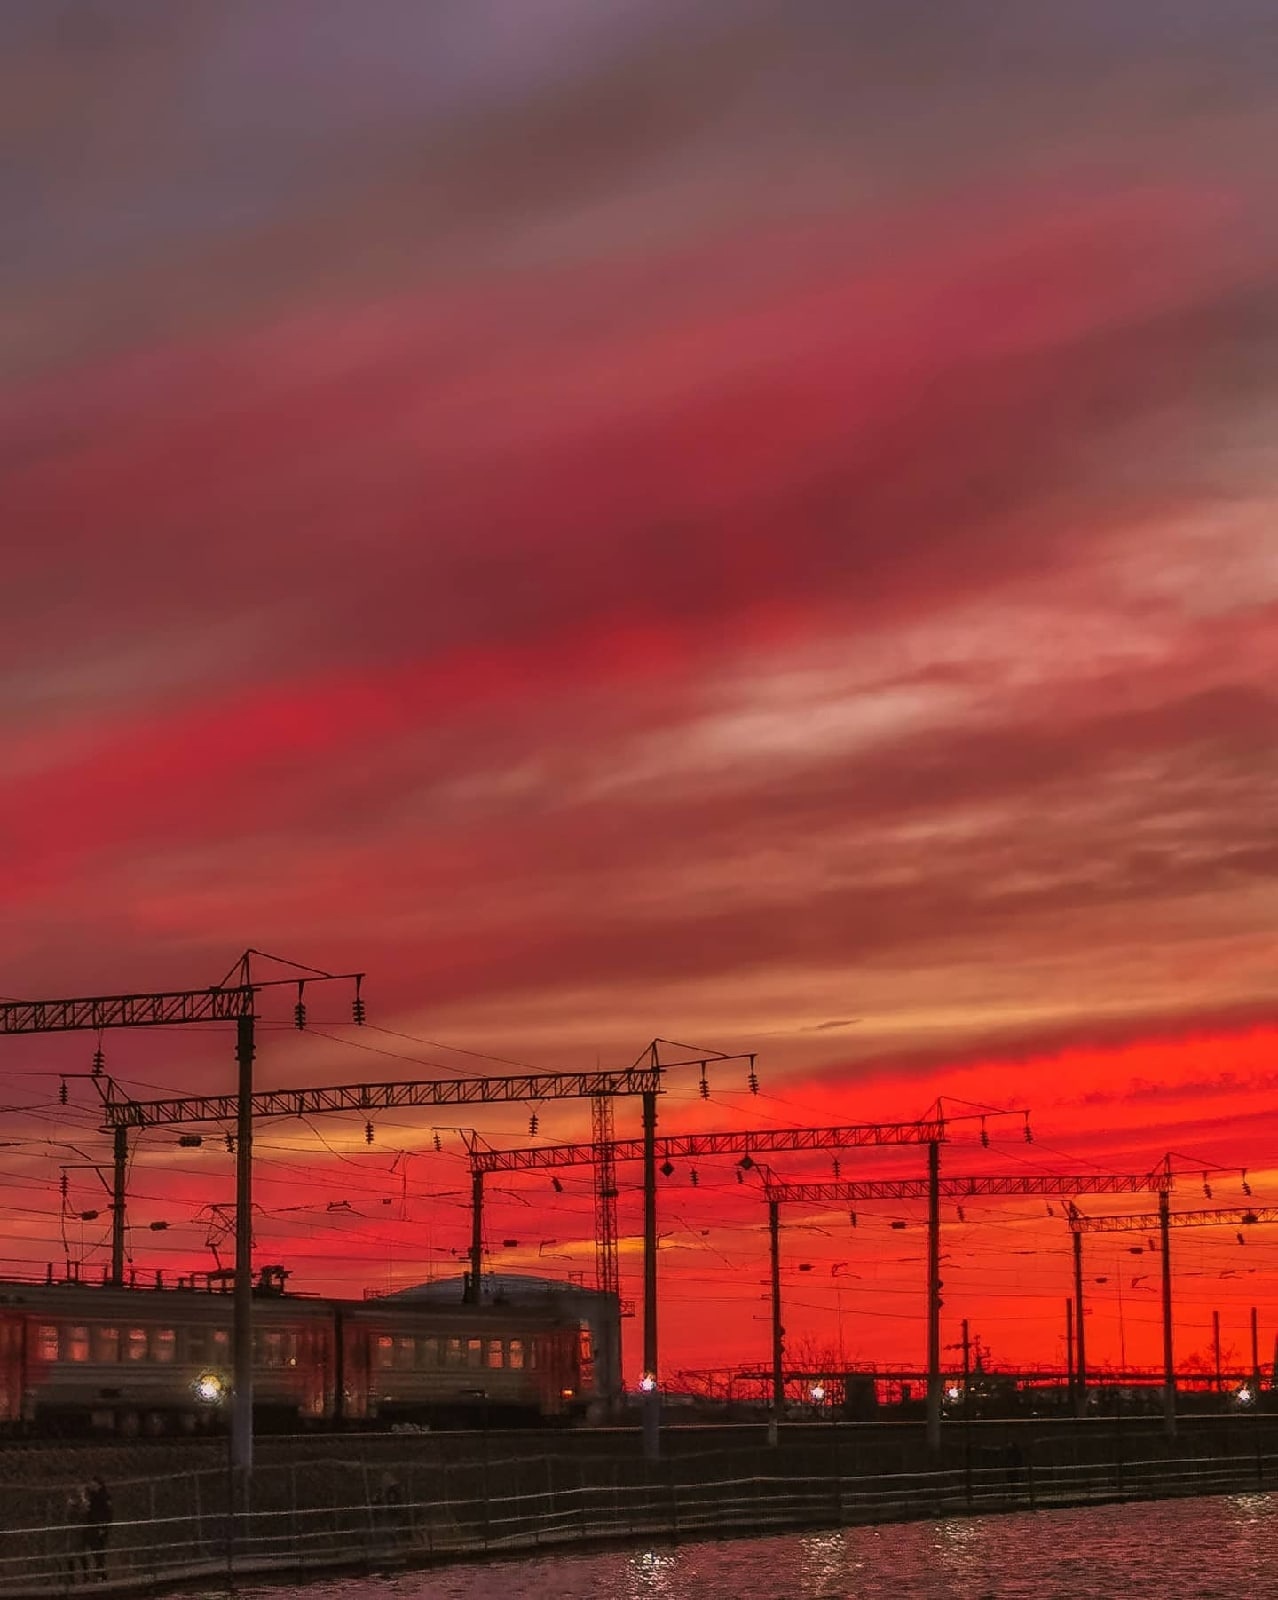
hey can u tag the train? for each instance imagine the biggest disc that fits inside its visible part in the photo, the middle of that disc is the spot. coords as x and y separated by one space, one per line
130 1362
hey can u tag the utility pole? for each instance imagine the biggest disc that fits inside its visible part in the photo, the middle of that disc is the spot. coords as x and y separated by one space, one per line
778 1332
1069 1348
473 1292
242 1382
1215 1340
934 1298
1169 1364
1080 1347
1255 1361
119 1181
650 1391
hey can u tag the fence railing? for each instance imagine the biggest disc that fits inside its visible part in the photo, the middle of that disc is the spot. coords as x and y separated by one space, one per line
342 1514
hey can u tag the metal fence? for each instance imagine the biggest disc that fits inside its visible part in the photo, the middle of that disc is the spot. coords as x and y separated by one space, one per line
338 1512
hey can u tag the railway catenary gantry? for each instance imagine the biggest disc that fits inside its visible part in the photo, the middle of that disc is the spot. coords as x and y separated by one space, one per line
1164 1219
930 1130
232 1000
933 1188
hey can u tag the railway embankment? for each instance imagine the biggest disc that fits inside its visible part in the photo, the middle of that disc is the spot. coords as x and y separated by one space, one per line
376 1501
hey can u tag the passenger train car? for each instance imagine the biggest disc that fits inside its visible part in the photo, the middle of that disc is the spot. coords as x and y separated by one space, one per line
129 1361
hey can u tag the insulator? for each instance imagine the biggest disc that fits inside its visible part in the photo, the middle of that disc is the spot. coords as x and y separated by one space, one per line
694 1178
740 1175
99 1061
667 1168
704 1087
62 1092
157 1227
357 1006
852 1218
1206 1186
89 1216
836 1165
439 1143
190 1141
299 1015
230 1144
556 1185
961 1216
1246 1187
368 1133
1240 1238
746 1162
752 1078
64 1184
985 1134
1029 1132
534 1122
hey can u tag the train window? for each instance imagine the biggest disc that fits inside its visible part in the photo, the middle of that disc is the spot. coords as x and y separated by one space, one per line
404 1351
532 1352
193 1339
516 1354
273 1348
47 1342
456 1354
77 1341
135 1344
495 1353
474 1352
291 1341
106 1344
163 1344
383 1351
221 1342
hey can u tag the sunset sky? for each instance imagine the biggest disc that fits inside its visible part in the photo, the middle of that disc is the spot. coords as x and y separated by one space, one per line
748 521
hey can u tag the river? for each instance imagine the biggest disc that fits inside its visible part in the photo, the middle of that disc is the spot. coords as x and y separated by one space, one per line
1221 1548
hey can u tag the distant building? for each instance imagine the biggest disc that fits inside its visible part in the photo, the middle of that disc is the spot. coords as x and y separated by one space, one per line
601 1313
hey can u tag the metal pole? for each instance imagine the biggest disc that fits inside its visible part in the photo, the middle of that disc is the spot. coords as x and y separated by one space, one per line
1069 1347
1215 1342
119 1178
1080 1343
778 1332
1255 1361
1169 1367
242 1397
473 1293
651 1402
934 1297
967 1367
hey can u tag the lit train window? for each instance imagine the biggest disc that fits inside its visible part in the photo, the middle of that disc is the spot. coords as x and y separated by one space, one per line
77 1344
474 1352
47 1342
495 1353
106 1344
163 1344
135 1344
516 1354
383 1351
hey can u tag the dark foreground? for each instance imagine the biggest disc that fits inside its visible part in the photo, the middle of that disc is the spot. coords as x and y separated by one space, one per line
370 1503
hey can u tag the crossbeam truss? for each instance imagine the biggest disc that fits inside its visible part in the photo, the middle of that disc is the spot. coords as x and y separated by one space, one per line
162 1009
366 1097
675 1146
955 1188
1228 1216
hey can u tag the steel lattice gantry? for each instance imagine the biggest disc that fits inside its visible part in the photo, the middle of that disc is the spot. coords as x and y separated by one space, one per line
1165 1219
365 1097
932 1188
233 1000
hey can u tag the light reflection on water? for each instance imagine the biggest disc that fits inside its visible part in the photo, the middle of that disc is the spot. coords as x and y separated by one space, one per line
1210 1549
